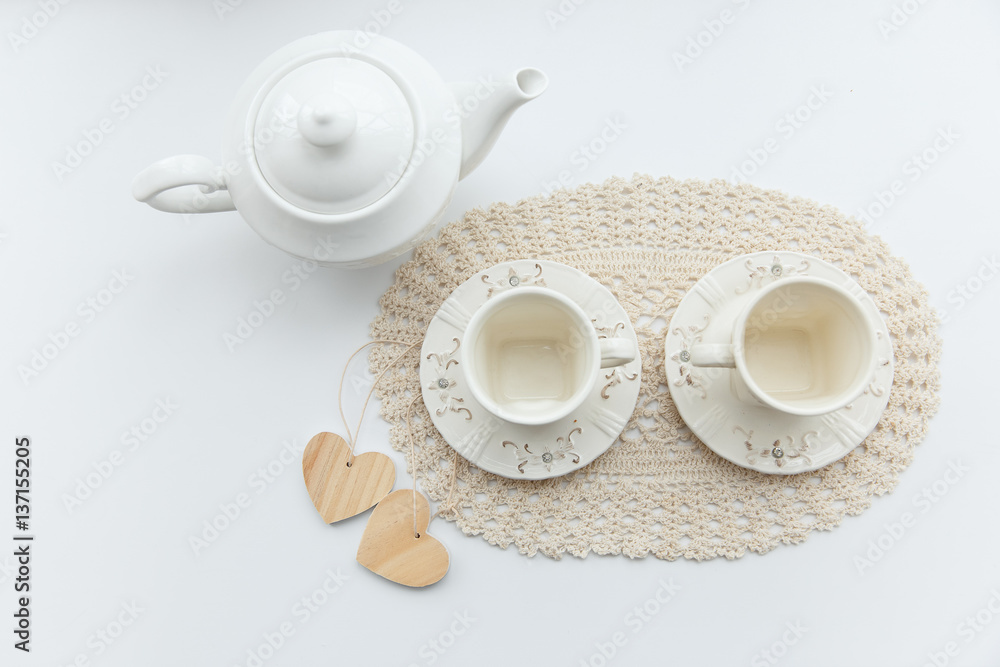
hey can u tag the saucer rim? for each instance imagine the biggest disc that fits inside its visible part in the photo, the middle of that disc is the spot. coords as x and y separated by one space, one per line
835 454
483 460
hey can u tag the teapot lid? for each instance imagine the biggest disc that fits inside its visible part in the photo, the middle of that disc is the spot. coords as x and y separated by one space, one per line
333 135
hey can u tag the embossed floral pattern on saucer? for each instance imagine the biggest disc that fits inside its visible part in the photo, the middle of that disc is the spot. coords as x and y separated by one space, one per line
747 433
514 450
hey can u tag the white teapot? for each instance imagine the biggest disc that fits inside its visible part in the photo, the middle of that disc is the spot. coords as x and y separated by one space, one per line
343 148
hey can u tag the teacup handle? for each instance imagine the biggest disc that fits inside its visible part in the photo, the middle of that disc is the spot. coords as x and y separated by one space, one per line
713 355
616 352
183 184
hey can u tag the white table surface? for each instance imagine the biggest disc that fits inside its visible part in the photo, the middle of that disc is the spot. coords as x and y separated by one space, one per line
885 99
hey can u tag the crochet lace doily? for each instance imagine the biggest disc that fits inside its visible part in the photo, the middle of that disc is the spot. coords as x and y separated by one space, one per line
658 490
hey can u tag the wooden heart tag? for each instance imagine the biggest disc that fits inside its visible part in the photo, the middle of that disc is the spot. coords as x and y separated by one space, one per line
339 487
390 549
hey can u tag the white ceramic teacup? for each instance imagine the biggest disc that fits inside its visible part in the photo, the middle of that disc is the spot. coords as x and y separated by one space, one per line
532 356
804 346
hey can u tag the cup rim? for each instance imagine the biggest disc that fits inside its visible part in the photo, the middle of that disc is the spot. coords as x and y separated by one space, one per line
739 350
471 336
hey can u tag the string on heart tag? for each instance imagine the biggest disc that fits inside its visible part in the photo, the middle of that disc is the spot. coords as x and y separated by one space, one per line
444 507
447 504
341 483
351 439
395 544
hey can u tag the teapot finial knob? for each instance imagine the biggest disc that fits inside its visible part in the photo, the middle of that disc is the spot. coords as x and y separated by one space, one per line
327 120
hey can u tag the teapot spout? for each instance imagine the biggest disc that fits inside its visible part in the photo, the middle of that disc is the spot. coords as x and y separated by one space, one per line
485 106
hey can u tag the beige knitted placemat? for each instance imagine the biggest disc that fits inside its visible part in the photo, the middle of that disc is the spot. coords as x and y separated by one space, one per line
658 490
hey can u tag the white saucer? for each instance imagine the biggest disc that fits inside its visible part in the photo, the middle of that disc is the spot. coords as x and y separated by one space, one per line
751 435
514 450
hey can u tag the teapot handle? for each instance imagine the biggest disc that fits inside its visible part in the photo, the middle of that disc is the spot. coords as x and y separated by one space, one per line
184 184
